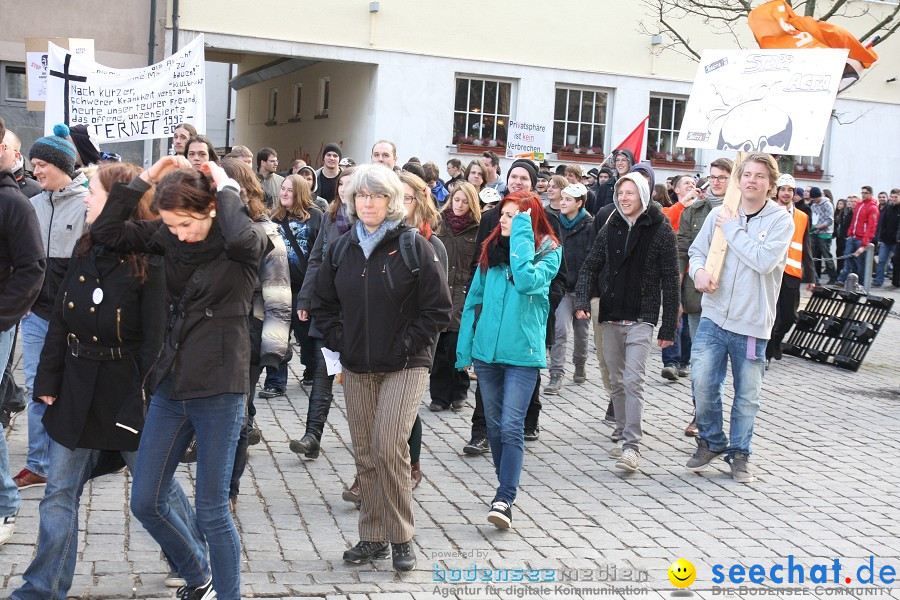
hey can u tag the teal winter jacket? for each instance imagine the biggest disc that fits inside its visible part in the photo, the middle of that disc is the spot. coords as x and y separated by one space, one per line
513 301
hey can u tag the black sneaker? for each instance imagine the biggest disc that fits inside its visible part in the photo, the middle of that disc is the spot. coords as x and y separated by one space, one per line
254 435
270 392
457 405
204 592
365 551
500 514
702 457
404 557
437 407
532 435
478 445
610 414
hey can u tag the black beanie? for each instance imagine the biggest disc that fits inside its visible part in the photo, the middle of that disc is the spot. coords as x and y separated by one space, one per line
528 166
815 192
56 149
333 148
87 148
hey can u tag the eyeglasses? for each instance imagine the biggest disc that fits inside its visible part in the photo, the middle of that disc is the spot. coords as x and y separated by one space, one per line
719 178
361 196
409 199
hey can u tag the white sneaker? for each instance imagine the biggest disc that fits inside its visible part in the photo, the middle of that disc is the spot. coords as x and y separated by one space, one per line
7 526
615 451
630 460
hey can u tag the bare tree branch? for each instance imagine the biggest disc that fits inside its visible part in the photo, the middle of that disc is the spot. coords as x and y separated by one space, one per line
884 23
834 8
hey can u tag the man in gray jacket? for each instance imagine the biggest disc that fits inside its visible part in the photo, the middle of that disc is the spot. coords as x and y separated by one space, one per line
738 313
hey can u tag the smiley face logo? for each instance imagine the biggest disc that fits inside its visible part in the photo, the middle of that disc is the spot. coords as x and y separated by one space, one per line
682 573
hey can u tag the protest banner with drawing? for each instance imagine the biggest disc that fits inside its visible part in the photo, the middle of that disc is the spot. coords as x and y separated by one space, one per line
127 104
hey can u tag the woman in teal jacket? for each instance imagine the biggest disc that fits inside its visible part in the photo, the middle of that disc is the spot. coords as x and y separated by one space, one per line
503 329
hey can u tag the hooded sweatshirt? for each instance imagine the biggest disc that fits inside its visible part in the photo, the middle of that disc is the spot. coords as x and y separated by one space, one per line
60 214
634 265
748 285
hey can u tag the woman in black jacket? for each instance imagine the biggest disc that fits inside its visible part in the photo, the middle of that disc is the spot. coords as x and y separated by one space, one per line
383 318
199 380
843 216
459 232
105 331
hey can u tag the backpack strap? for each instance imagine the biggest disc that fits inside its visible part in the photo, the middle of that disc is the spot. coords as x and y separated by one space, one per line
408 250
340 249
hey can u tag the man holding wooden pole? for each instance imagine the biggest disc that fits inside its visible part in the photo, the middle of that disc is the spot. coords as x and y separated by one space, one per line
738 308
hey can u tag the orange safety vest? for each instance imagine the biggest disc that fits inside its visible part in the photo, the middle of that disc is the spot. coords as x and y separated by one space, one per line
794 265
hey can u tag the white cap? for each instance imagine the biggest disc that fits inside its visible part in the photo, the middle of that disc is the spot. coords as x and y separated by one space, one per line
489 196
786 179
576 190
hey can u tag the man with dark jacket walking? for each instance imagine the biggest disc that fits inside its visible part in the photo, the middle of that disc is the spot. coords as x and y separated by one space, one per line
888 229
22 263
637 244
605 192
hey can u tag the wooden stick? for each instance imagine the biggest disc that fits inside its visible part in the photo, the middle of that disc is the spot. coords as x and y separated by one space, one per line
718 248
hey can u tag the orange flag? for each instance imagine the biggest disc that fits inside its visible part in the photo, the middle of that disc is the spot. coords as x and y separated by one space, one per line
776 25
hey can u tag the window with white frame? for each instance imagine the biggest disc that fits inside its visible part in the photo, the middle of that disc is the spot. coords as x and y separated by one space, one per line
481 111
273 104
298 99
579 119
324 95
14 88
666 114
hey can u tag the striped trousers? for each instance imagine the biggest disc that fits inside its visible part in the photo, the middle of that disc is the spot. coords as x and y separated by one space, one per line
381 409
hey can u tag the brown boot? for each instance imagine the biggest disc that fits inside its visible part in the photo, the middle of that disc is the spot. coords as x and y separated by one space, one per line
691 430
415 475
351 494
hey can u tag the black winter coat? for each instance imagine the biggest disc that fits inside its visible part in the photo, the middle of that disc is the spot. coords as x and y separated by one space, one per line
460 250
635 264
576 244
842 221
99 399
374 311
207 345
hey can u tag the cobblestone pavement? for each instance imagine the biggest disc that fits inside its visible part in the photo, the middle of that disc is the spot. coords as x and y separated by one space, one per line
826 454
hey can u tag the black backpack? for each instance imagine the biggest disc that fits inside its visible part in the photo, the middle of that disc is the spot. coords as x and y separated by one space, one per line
407 250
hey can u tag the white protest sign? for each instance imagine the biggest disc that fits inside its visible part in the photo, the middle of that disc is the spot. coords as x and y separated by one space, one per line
776 101
127 104
37 60
530 139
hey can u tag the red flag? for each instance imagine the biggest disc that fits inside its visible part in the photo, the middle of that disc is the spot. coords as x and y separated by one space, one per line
634 141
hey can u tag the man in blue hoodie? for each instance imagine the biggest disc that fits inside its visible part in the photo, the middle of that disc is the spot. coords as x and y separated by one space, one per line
738 311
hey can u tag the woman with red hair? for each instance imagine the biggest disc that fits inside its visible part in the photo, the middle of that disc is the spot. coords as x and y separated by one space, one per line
511 286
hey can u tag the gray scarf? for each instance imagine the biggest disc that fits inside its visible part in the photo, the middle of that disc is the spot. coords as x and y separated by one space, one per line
368 241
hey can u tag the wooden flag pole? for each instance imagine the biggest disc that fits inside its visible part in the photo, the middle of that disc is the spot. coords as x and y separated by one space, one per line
718 248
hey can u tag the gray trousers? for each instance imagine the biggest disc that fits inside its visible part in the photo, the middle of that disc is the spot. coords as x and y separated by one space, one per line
598 342
565 316
626 349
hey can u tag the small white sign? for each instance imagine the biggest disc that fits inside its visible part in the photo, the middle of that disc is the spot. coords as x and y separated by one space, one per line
775 101
528 139
332 361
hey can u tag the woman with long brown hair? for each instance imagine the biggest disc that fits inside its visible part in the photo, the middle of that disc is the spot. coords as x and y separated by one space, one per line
105 331
270 314
298 220
199 380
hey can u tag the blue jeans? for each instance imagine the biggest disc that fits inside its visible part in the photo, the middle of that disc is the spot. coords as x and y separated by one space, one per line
168 429
853 263
34 331
506 392
712 348
49 576
679 353
9 492
885 250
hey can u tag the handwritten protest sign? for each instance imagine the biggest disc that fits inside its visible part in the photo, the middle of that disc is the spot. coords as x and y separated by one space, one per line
37 62
527 139
127 104
776 101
